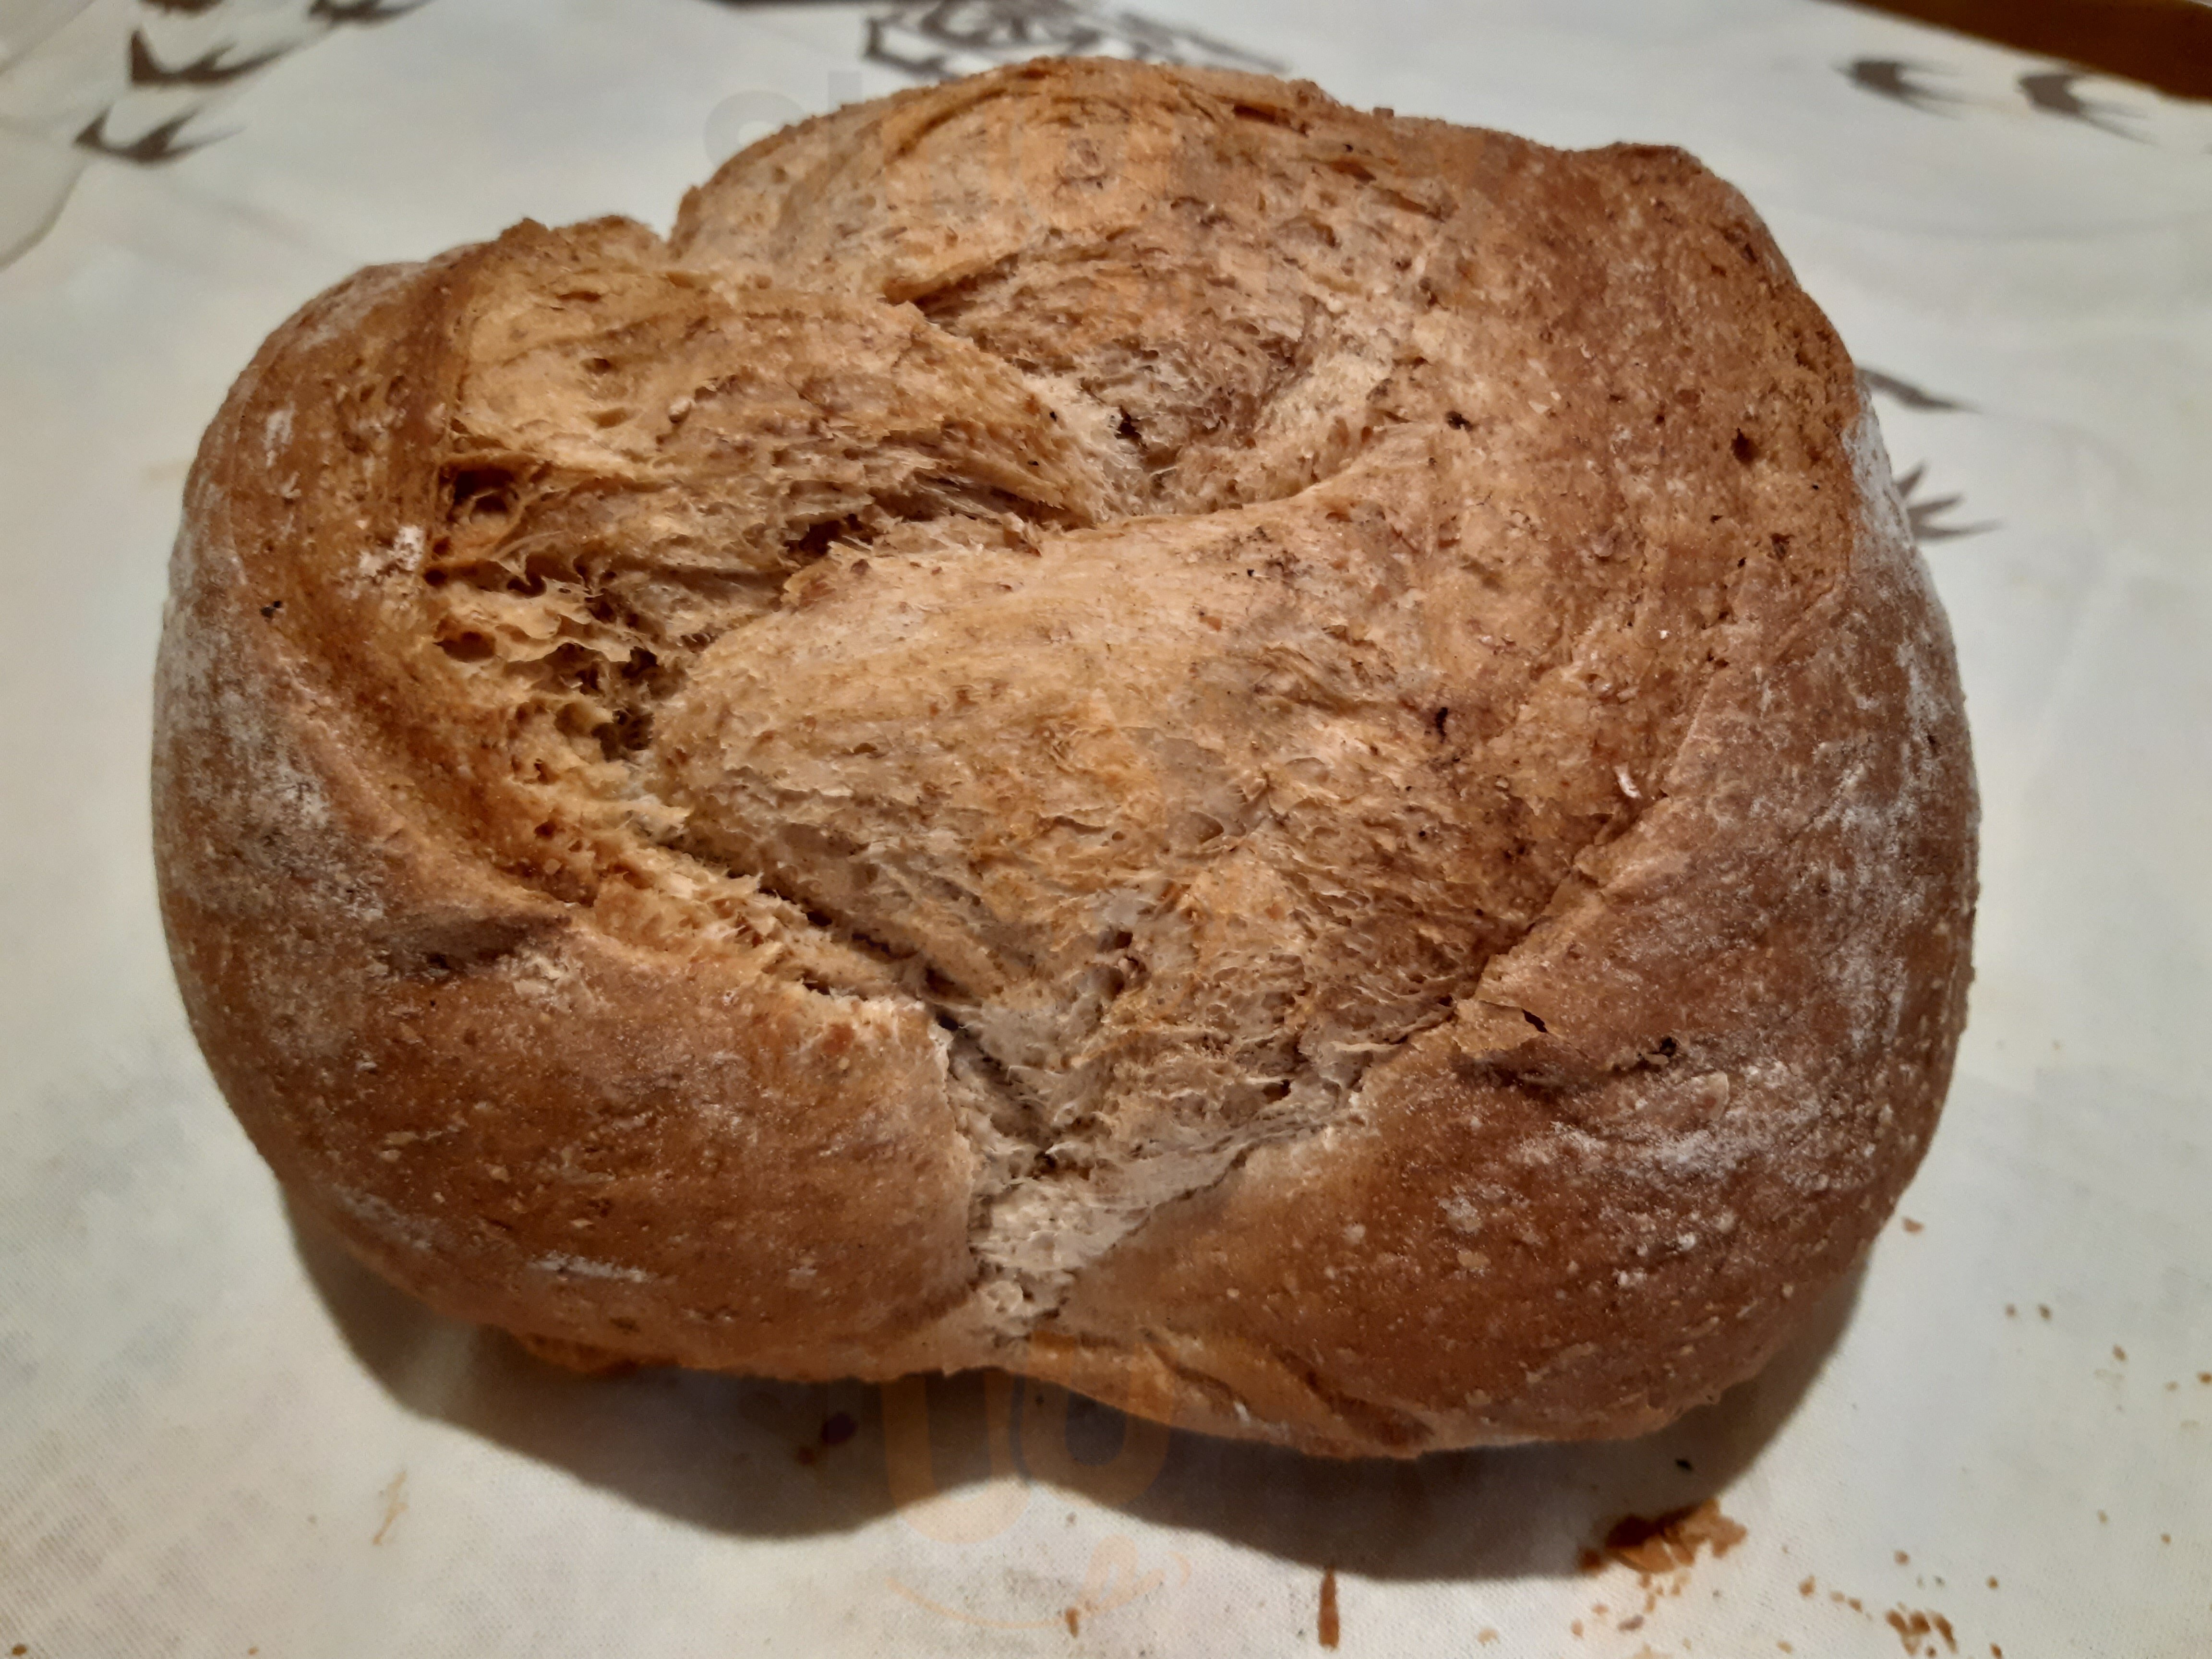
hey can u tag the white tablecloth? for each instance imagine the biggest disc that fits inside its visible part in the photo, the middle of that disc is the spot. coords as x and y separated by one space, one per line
219 1437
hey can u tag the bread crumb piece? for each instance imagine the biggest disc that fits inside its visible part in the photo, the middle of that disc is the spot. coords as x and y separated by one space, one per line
395 1505
1807 1587
1912 1226
1666 1543
1915 1629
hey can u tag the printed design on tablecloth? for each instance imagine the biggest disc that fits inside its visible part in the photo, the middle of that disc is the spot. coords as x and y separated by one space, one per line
195 61
1927 513
987 1512
1893 78
207 69
2050 90
942 39
1925 510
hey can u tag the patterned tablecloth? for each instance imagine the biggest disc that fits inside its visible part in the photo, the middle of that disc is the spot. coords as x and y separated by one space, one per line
221 1438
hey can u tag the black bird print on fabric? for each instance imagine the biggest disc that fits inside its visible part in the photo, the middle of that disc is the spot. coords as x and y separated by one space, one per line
1891 77
2051 92
150 149
206 70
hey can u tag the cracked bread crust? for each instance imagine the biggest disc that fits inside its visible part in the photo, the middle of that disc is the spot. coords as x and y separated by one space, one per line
1292 765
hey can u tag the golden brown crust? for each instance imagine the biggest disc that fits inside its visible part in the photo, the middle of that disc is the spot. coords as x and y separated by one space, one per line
1291 764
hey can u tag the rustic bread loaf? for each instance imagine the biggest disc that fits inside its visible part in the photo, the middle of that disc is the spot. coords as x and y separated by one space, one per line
1293 765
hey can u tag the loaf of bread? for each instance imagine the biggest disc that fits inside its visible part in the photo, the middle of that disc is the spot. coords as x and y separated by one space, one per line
1291 766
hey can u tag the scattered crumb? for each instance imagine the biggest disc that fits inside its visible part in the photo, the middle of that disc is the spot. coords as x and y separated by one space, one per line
2204 1376
1911 1226
1074 1621
2170 1387
1785 1647
1332 1627
1903 1560
20 1648
1577 1627
1805 1587
2012 1311
1486 1635
1855 1604
1993 1583
2043 1309
1667 1543
1995 1652
395 1505
2166 1538
2104 1518
1915 1629
2119 1354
